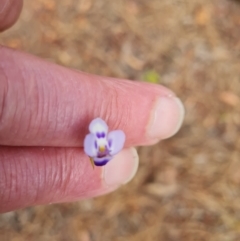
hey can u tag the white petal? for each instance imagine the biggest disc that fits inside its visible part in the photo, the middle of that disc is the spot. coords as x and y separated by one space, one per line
98 125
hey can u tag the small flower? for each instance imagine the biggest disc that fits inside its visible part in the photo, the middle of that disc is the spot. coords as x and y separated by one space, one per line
100 145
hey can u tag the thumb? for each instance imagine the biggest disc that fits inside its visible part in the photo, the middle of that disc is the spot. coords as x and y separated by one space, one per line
34 176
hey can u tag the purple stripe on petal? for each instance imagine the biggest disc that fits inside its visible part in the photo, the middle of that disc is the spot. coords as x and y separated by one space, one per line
95 144
110 142
118 138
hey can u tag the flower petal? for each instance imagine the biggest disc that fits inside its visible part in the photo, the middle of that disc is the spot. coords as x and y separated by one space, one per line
101 161
98 126
116 141
89 144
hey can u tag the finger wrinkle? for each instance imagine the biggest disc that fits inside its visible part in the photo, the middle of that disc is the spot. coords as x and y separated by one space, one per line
38 107
112 109
3 94
14 174
123 113
62 179
57 177
26 181
20 105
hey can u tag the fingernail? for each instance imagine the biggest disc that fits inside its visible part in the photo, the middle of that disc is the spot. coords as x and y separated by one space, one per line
166 119
122 168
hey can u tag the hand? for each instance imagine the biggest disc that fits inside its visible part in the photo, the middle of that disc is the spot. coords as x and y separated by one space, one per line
45 110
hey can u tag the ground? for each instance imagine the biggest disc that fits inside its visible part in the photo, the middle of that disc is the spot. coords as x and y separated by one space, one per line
187 187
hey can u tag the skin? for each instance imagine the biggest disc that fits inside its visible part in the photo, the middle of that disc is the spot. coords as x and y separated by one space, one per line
45 110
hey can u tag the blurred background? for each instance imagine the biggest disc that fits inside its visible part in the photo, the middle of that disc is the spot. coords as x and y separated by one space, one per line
187 187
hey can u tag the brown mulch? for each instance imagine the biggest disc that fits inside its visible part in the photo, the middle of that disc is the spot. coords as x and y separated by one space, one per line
187 187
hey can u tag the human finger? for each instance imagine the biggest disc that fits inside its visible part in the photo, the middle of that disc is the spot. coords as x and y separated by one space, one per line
33 176
9 12
43 104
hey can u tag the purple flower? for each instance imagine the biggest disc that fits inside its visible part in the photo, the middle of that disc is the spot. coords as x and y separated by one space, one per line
100 145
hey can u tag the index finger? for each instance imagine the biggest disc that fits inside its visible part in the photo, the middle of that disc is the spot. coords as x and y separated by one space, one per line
43 104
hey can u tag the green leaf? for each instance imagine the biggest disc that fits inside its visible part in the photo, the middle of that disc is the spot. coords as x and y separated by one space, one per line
151 76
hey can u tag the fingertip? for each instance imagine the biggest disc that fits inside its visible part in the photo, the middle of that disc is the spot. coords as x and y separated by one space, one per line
9 12
166 118
121 169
